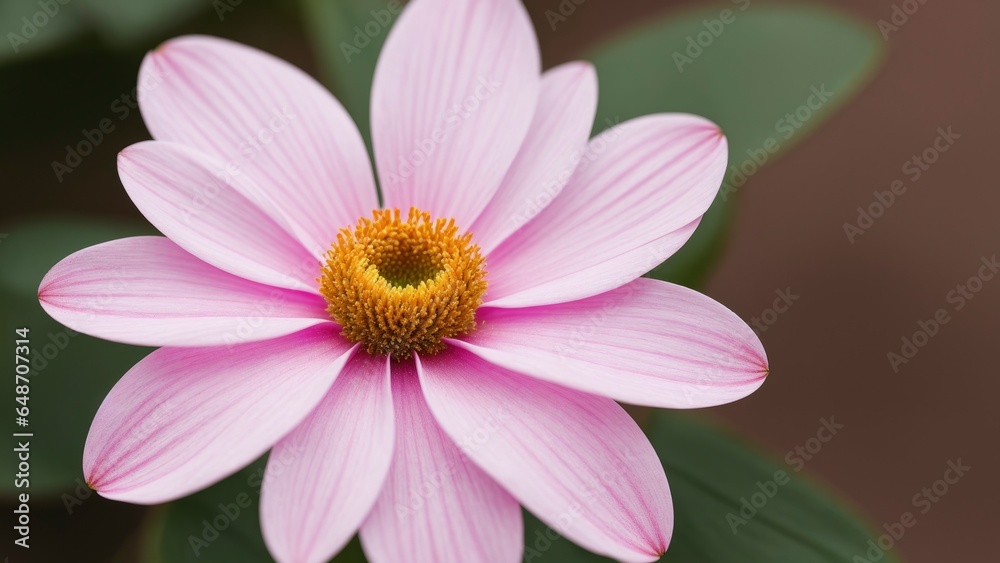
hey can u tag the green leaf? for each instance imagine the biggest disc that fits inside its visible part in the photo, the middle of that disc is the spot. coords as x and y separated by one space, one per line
71 372
711 473
125 22
34 28
220 524
544 545
349 37
746 77
24 37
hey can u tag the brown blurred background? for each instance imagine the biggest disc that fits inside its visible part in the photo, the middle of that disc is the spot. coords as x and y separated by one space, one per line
828 351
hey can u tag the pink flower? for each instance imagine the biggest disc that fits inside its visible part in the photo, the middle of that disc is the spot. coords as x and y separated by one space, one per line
414 377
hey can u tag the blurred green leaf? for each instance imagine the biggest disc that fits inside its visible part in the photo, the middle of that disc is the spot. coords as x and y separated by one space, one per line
220 523
71 372
349 37
746 75
33 27
24 37
543 544
125 22
711 473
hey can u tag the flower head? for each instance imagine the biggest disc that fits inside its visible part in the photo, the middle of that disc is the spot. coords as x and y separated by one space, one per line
403 286
419 369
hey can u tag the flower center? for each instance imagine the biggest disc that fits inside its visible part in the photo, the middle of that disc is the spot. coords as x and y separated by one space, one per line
402 285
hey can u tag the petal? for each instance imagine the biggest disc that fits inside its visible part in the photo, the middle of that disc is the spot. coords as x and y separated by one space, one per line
550 153
634 200
147 291
265 119
220 220
452 98
647 343
323 478
437 506
577 461
184 418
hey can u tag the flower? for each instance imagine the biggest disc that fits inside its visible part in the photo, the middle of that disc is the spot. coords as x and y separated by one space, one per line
421 369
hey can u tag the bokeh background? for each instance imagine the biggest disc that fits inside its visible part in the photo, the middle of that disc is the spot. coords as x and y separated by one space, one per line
854 301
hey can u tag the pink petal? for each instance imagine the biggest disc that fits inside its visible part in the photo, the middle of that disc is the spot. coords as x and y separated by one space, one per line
634 199
550 153
148 291
267 120
437 506
184 418
452 98
220 220
576 461
647 343
323 478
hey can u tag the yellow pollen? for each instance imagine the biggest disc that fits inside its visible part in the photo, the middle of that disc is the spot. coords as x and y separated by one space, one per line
401 286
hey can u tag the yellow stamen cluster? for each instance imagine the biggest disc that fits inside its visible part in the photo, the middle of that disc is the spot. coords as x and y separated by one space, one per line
401 286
